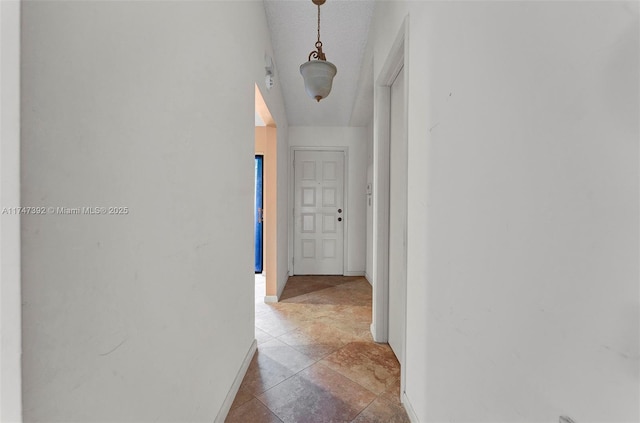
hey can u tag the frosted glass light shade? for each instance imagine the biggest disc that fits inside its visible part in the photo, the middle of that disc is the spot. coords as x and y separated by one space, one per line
318 78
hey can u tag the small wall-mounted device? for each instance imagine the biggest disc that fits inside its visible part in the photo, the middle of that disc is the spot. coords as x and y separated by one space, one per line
268 68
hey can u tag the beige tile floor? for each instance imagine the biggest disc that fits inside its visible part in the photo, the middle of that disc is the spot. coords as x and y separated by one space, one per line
316 361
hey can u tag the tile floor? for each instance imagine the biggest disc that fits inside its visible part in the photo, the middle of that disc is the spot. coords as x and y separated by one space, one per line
316 361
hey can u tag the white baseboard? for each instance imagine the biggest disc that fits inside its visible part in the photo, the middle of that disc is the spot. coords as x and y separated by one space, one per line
368 278
226 405
376 336
276 298
357 273
409 408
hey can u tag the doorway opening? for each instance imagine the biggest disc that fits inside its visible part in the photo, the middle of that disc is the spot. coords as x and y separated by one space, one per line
266 148
258 204
390 202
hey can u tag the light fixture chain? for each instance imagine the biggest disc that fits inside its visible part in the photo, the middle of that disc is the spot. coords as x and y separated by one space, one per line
318 22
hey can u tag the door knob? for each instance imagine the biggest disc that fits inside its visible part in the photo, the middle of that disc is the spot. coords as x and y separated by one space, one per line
339 219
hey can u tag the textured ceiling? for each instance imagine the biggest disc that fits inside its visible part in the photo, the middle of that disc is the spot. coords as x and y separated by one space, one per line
344 29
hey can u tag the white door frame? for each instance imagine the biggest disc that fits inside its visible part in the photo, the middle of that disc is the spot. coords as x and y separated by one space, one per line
398 161
397 58
10 255
345 201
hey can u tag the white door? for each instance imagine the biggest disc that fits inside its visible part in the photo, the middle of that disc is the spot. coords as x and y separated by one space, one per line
318 213
397 218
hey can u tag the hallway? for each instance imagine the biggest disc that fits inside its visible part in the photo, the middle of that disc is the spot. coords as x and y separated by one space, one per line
316 361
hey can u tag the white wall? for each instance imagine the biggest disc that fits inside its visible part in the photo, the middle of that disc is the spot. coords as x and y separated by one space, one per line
143 317
369 246
356 139
283 191
10 309
523 209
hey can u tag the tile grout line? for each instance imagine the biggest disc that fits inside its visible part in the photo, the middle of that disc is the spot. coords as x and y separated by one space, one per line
357 383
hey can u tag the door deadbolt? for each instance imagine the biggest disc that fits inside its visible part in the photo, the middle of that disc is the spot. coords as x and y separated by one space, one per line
339 210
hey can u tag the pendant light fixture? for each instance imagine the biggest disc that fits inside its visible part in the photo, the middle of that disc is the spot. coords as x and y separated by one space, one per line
318 74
